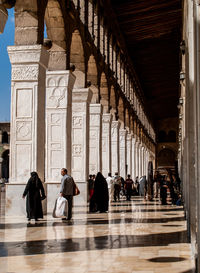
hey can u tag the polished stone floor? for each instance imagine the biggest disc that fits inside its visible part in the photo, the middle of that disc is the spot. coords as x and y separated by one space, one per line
135 236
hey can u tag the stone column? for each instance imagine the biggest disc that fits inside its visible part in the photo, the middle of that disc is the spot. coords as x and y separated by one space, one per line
115 146
106 144
140 159
81 97
3 17
133 158
95 165
129 153
122 152
137 158
27 145
59 85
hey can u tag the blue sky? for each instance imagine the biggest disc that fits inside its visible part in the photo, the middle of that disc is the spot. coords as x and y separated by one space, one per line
6 39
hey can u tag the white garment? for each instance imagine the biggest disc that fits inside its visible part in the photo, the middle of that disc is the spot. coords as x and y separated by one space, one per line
110 181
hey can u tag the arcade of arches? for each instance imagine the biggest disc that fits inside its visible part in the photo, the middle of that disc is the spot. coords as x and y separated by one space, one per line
114 86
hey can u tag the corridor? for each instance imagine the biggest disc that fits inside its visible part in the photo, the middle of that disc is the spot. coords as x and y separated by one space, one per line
136 236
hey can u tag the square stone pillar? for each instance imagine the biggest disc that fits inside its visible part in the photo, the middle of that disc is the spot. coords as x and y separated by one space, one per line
129 153
27 145
115 146
95 155
59 85
122 153
133 158
106 144
140 159
137 159
81 98
3 17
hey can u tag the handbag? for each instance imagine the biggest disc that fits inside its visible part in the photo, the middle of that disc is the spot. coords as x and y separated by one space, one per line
76 190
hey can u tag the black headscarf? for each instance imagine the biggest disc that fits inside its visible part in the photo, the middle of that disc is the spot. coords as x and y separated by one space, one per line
35 178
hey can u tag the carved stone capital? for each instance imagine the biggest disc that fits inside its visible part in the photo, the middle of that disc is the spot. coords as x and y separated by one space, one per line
28 54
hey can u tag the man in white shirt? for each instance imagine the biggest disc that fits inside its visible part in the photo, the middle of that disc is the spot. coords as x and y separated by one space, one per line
110 182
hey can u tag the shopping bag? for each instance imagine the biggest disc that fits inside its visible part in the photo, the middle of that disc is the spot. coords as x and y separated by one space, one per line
60 208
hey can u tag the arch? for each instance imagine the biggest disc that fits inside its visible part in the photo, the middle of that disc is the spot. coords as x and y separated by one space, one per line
55 28
104 93
166 158
162 136
5 165
171 136
121 112
4 137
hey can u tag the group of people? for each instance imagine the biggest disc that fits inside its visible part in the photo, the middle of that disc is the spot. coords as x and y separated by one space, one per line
101 191
34 191
104 190
167 183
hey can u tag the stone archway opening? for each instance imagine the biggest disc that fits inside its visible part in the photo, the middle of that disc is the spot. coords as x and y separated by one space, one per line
5 165
166 158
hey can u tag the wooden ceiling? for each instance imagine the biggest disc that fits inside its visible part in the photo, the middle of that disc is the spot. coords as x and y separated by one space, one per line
152 33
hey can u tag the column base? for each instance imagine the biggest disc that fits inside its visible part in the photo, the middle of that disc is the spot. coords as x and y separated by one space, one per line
15 204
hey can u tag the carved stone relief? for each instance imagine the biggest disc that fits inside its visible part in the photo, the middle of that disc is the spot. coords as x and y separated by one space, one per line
24 130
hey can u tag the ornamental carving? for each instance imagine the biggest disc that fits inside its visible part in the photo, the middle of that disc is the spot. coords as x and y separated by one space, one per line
77 122
25 73
57 95
23 130
77 150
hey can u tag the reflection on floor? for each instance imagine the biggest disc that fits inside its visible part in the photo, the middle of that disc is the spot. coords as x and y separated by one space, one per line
135 236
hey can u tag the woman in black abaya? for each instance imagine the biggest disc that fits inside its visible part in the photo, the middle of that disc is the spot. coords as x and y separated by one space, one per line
99 200
35 193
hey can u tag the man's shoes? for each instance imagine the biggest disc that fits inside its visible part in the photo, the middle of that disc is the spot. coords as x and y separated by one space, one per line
64 219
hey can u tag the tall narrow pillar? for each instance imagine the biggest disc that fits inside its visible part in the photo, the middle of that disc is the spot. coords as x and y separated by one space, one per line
129 153
106 144
81 97
137 159
115 146
122 153
27 145
133 158
59 85
140 159
95 154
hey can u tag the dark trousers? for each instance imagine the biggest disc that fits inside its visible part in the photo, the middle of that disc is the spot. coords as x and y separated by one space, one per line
128 194
117 189
70 203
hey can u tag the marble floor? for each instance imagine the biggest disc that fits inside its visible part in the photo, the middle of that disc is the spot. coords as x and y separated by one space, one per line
135 236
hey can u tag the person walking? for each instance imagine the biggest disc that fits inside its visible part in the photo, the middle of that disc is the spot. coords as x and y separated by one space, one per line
128 187
67 189
117 186
99 200
110 182
34 191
